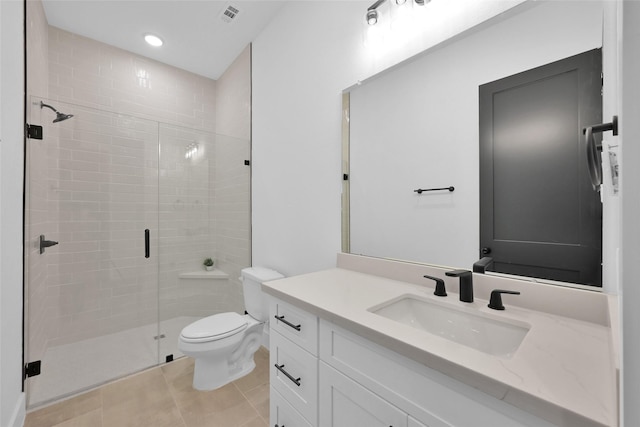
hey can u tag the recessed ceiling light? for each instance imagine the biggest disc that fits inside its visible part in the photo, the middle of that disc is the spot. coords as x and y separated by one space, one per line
153 40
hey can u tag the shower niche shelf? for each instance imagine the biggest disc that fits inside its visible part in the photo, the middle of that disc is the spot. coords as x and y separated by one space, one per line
214 274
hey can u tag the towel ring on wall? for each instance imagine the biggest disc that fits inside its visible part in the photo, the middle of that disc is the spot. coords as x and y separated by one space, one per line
594 163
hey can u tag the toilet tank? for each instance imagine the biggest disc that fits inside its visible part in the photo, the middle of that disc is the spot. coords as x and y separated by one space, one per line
254 302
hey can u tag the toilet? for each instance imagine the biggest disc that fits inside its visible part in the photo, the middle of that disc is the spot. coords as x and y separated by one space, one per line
223 345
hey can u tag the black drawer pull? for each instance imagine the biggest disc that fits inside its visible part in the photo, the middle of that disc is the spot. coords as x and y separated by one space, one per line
281 318
279 426
280 368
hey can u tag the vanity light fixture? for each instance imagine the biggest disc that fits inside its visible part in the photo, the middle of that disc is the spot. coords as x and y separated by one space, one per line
153 40
372 15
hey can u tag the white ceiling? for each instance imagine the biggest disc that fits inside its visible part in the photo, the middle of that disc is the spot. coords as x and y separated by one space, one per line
195 37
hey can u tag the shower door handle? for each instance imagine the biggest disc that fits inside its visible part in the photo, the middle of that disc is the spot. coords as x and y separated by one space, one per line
146 243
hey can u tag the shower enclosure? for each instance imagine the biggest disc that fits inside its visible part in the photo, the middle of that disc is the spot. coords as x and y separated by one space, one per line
135 206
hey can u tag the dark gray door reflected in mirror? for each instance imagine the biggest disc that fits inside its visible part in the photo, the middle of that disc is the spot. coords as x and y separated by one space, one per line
539 214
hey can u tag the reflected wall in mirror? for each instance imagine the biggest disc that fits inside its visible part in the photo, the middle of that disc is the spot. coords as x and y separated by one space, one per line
416 126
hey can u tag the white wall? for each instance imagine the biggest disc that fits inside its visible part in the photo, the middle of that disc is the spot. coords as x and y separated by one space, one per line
11 166
301 63
630 170
417 127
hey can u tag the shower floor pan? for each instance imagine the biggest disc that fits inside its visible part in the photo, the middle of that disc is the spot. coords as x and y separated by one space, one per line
76 367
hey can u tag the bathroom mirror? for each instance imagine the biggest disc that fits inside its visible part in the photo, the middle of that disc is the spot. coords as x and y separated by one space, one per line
416 127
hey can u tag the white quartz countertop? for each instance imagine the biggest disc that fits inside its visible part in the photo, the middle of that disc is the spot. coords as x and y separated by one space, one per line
563 370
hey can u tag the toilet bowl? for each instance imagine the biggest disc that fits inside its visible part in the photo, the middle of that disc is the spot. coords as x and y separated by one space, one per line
223 345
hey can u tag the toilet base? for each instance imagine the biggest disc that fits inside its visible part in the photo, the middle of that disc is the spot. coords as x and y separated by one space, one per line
232 359
209 376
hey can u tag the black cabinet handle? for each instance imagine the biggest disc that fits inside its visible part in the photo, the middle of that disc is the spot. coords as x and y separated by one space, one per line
280 368
146 243
281 318
279 426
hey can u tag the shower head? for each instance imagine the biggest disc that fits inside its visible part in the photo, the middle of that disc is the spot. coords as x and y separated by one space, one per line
59 116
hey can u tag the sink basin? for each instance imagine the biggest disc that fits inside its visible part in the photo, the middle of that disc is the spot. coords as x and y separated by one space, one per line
480 331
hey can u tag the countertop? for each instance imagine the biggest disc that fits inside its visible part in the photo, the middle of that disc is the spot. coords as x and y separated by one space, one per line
564 370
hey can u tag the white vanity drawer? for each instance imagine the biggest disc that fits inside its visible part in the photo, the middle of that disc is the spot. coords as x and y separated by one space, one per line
295 324
294 374
282 414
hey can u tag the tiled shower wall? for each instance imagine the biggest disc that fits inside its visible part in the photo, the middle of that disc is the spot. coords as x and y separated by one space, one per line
85 72
94 165
191 211
232 207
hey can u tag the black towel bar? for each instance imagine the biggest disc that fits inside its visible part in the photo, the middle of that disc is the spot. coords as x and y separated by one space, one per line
420 190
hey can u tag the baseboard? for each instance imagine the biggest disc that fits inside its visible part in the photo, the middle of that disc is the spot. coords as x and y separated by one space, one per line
19 413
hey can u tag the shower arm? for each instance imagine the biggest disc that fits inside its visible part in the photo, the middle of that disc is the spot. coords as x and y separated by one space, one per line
42 104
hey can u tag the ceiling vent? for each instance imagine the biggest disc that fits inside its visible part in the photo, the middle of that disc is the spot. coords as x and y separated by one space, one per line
229 14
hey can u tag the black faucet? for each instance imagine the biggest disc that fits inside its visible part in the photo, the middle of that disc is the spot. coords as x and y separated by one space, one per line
440 289
466 284
482 264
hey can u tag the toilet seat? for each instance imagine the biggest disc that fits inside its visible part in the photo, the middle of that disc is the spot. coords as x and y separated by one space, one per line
214 328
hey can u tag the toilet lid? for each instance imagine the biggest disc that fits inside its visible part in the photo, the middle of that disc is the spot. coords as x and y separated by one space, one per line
215 327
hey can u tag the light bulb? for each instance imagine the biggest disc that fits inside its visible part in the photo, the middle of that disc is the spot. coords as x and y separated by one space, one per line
153 40
372 17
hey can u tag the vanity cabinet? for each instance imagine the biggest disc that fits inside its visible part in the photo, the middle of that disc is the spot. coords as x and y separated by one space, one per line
349 381
293 360
294 374
299 326
282 414
345 403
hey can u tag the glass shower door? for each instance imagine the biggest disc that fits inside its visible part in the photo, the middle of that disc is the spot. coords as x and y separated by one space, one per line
92 298
204 213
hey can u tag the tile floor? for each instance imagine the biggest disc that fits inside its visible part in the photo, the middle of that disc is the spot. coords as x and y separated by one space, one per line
163 397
